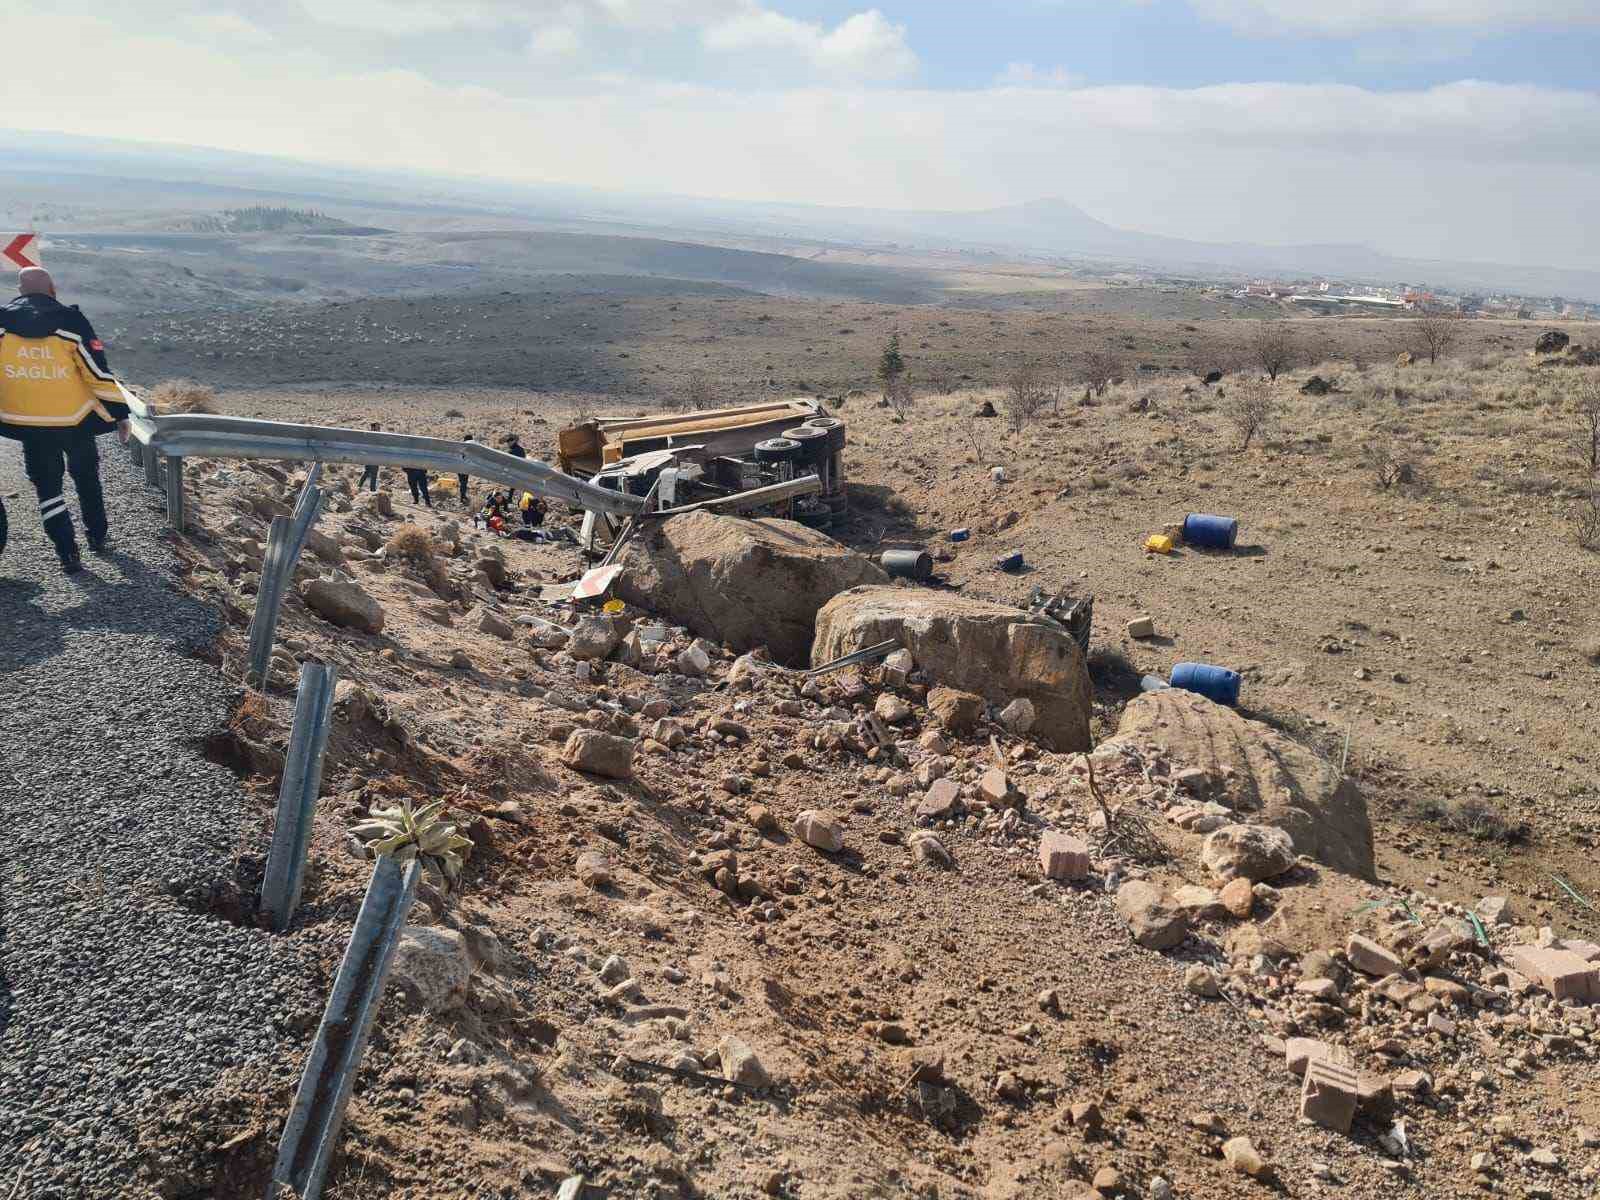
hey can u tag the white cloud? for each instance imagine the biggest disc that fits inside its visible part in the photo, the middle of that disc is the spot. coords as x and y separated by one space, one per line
1030 75
555 41
410 17
1351 17
864 45
227 26
1477 170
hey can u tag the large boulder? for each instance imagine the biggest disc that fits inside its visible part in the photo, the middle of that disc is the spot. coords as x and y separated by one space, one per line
343 602
741 582
1551 341
1264 776
992 649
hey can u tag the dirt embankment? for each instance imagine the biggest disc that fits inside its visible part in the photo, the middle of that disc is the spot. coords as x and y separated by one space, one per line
941 1019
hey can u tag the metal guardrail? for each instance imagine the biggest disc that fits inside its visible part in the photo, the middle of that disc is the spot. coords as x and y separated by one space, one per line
286 539
311 1134
204 435
297 794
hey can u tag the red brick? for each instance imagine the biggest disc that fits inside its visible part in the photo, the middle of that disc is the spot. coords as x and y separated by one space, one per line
1562 973
1330 1094
1063 856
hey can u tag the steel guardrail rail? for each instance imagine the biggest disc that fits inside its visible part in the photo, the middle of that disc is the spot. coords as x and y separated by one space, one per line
206 435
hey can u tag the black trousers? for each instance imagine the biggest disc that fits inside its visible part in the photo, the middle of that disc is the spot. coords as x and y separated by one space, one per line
49 455
369 479
419 487
462 481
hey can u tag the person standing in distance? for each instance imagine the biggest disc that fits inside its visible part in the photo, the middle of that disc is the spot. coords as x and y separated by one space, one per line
57 394
462 481
369 474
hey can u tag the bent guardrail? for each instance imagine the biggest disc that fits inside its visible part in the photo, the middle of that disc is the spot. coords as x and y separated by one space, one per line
205 435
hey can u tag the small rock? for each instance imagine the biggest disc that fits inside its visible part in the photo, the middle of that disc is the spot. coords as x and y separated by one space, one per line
891 709
596 753
593 869
1018 716
942 799
740 1064
1253 852
1368 957
1238 897
1141 627
593 638
1154 922
693 662
494 624
1201 980
344 603
959 712
820 830
1241 1154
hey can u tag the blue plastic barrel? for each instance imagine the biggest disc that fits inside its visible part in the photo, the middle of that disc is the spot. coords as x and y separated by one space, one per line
1010 562
960 535
1214 683
1216 533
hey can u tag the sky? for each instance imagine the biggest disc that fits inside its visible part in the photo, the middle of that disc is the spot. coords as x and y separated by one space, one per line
1465 129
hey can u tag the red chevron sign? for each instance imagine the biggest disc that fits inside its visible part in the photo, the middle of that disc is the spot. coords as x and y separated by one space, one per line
20 249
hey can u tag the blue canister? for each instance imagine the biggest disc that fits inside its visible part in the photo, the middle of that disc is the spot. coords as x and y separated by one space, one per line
1211 532
960 535
1010 562
1214 683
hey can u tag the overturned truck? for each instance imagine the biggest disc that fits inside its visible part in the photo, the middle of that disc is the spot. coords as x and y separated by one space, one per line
692 457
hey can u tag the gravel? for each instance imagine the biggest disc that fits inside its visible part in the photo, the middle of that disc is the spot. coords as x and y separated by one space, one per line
120 992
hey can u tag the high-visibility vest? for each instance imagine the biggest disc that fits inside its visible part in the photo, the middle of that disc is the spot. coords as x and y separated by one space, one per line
54 382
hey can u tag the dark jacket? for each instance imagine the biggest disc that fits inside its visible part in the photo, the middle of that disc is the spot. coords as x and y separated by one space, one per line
53 370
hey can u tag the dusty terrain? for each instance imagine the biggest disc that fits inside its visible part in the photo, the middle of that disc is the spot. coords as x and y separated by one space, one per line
1436 639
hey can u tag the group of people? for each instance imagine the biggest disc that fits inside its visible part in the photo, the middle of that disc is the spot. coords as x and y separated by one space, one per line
57 395
421 489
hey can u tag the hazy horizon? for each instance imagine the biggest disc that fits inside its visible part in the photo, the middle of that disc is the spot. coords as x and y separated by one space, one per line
1465 130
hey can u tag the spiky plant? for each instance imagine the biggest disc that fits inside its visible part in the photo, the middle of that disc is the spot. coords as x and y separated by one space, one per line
405 833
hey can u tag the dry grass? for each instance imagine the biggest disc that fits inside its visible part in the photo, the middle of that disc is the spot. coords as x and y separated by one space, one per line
413 544
183 396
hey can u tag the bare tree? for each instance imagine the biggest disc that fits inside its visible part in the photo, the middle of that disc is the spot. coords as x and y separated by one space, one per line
897 394
1586 520
1588 433
1275 349
1249 407
1028 390
1101 368
1437 334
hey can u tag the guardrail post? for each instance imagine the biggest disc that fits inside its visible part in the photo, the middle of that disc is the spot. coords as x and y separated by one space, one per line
175 516
311 1134
285 540
152 468
297 796
135 452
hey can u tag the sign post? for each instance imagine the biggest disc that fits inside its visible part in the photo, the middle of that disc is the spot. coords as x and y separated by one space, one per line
19 250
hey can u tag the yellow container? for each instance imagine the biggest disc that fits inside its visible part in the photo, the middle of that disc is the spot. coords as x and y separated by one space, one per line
1158 543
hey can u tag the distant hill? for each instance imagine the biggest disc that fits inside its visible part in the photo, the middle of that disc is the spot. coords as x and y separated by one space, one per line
40 166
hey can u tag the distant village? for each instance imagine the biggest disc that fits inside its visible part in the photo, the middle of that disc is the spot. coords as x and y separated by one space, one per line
1330 296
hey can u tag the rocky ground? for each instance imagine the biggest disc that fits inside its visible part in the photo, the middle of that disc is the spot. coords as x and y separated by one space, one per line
791 938
725 932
